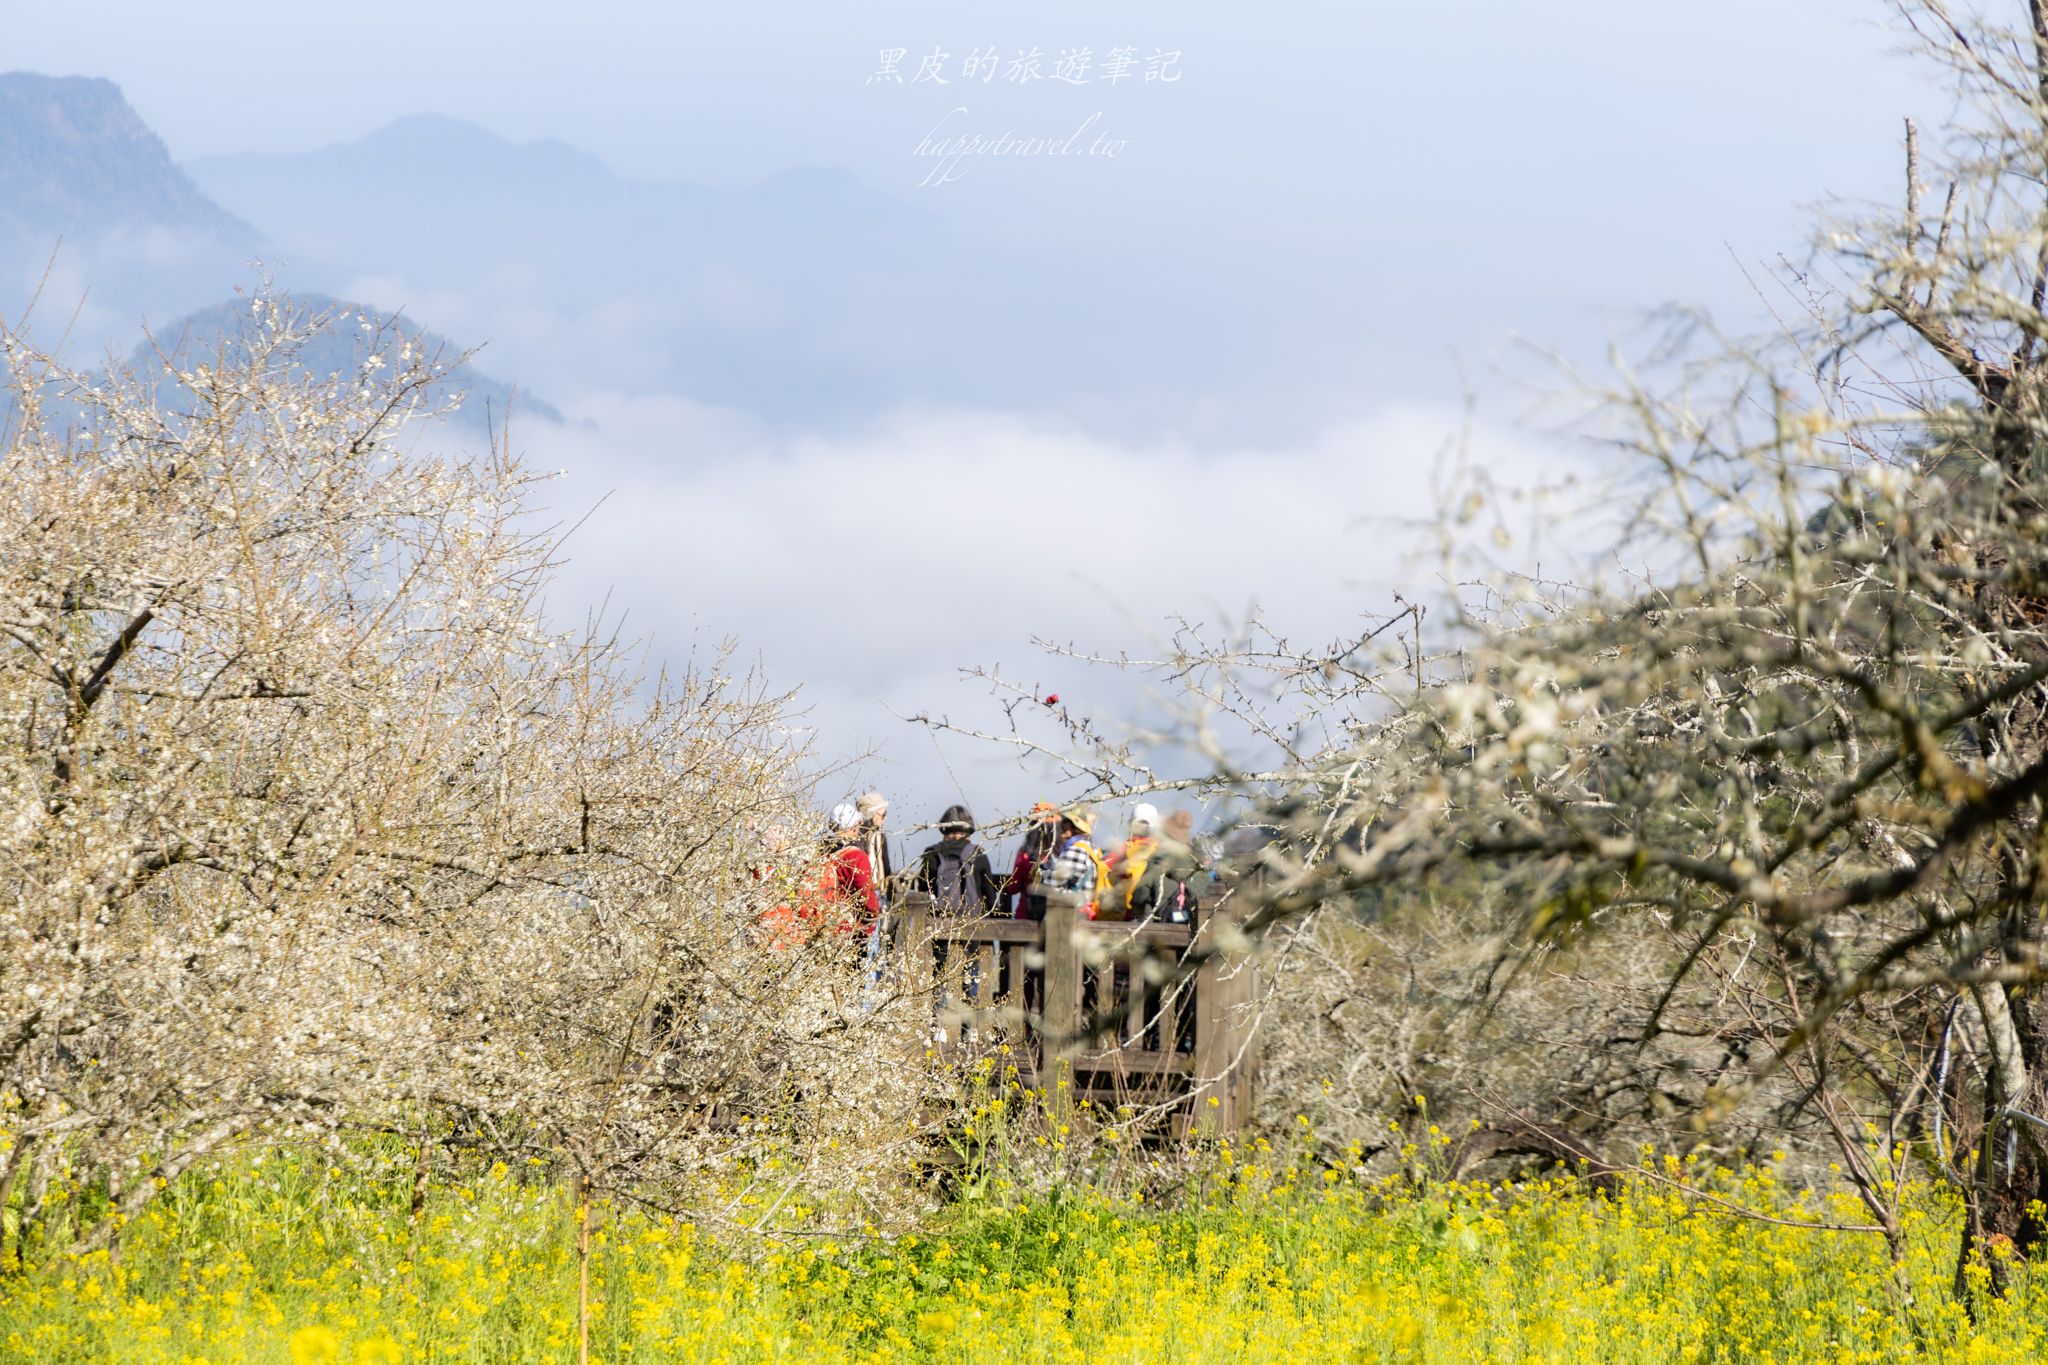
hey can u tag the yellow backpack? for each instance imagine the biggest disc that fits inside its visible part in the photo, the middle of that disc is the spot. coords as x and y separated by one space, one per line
1104 893
1130 870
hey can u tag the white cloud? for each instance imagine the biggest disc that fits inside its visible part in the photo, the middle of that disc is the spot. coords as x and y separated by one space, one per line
870 568
93 293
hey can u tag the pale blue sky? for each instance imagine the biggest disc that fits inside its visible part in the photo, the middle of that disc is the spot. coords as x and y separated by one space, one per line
1374 108
1416 179
1343 212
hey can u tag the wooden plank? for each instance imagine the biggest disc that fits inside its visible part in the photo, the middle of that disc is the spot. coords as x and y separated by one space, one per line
916 949
1136 1061
1027 988
1108 1098
1122 937
1135 1013
1172 996
1061 1011
1004 999
1180 1022
986 1008
1223 995
956 1013
986 930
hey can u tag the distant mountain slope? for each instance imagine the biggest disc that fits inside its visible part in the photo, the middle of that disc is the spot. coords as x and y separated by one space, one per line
76 160
446 202
441 201
339 347
808 295
99 228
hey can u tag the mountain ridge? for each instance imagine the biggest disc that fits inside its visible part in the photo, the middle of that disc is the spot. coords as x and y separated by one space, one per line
89 190
334 347
77 160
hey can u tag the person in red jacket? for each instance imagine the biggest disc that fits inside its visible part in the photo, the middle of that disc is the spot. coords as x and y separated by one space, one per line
851 875
1038 842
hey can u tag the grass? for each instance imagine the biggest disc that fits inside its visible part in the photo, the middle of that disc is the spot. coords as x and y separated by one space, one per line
285 1259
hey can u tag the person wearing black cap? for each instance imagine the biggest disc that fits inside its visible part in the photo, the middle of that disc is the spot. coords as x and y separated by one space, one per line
954 872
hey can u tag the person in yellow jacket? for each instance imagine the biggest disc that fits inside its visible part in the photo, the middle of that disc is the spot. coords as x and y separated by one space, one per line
1155 875
1127 865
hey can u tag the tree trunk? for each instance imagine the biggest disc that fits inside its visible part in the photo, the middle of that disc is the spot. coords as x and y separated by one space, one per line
2003 1223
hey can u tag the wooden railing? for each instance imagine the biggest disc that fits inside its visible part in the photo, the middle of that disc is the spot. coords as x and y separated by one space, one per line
1147 1020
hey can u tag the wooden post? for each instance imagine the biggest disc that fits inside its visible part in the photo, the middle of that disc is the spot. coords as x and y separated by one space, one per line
916 944
583 1270
988 960
15 1159
419 1202
1060 1012
1223 1032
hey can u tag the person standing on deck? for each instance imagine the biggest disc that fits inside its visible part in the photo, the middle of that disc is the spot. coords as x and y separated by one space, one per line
1127 864
850 875
1169 885
954 872
1180 829
1039 838
1074 875
874 813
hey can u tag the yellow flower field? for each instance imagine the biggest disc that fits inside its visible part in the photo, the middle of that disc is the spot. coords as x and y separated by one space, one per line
286 1263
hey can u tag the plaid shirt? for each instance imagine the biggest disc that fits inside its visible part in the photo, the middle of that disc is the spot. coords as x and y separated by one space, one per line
1072 868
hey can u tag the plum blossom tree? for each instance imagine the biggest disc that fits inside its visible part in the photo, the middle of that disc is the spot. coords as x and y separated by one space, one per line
311 821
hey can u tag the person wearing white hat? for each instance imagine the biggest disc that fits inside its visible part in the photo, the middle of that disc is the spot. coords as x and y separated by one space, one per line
1127 864
852 879
1157 872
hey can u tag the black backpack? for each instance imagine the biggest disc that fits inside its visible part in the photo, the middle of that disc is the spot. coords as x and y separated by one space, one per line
955 888
1164 898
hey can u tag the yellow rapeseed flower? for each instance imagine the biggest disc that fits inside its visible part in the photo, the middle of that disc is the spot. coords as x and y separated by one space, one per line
315 1345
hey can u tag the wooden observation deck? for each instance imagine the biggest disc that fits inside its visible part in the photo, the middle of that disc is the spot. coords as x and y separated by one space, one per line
1148 1015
